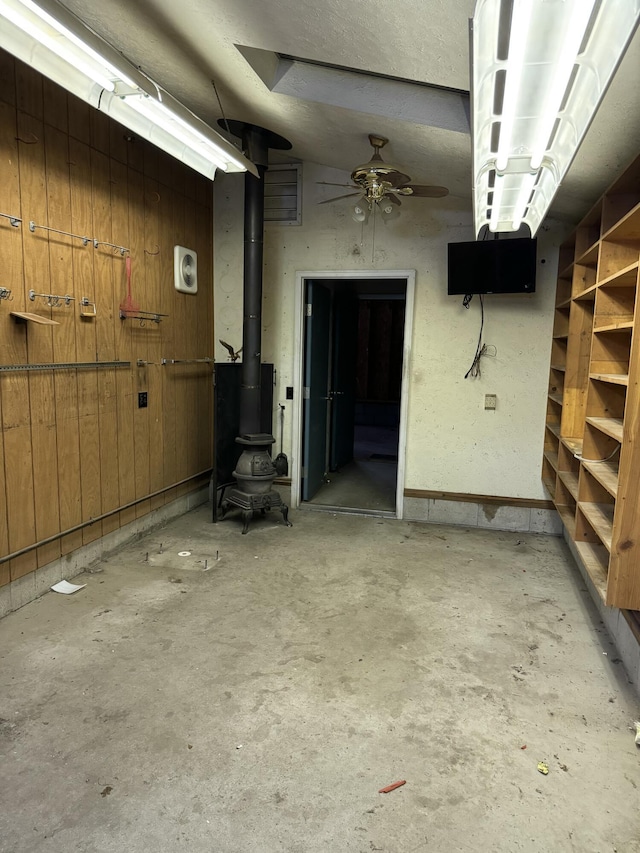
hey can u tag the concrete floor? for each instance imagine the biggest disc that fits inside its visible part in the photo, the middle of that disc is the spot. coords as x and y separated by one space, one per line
258 706
366 482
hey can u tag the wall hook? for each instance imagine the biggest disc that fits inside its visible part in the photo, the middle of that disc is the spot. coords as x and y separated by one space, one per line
13 220
5 293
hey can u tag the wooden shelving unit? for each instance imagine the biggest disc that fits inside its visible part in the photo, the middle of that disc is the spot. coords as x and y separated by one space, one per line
591 464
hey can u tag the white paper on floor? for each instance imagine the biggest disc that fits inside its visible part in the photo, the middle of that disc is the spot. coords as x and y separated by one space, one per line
67 588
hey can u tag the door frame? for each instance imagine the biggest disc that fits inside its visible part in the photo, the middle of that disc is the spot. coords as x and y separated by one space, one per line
298 375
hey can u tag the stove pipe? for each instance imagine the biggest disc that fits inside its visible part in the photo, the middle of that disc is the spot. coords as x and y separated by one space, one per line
256 142
252 288
255 471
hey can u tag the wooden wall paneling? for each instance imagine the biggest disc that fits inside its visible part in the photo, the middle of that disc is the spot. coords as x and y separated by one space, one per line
7 232
14 388
190 374
5 568
105 259
56 106
64 339
140 336
181 333
29 98
156 269
123 334
166 240
82 223
31 158
13 339
100 132
150 168
135 152
79 114
8 77
118 142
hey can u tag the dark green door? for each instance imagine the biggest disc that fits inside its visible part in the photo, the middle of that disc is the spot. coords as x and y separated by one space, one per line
343 377
316 387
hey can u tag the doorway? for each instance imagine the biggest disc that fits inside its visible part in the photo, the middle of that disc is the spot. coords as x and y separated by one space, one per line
352 346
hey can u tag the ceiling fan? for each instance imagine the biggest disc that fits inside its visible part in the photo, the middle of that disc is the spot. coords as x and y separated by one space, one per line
381 184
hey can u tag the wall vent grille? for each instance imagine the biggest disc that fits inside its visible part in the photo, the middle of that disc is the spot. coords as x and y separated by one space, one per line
283 194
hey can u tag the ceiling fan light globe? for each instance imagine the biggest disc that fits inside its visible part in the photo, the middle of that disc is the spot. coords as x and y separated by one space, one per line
360 211
388 211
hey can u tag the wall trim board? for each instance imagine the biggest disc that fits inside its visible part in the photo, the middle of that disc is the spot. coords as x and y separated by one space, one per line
31 586
425 494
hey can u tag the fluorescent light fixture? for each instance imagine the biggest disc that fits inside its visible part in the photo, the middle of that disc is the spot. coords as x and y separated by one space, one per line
46 36
539 71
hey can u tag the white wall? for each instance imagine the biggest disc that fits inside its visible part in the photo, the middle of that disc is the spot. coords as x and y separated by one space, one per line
453 445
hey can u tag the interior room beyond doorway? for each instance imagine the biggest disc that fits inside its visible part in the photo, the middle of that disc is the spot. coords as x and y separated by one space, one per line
353 366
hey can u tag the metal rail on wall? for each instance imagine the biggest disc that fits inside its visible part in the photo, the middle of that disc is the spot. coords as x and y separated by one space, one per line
187 361
14 220
63 365
85 240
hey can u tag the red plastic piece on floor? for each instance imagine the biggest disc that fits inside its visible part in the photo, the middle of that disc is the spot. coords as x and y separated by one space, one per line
393 786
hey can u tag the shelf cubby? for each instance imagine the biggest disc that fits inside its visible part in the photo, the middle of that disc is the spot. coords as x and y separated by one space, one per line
611 427
605 471
615 256
624 277
592 525
568 470
584 282
615 310
556 384
595 559
588 234
566 257
561 323
549 478
621 203
565 503
610 353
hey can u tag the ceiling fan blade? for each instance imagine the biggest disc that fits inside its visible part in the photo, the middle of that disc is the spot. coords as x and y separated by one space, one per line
393 198
427 192
396 179
329 184
335 198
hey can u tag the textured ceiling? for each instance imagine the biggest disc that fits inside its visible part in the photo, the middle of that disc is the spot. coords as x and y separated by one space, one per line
185 45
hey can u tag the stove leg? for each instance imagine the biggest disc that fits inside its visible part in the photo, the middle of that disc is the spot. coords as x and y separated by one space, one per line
284 509
247 515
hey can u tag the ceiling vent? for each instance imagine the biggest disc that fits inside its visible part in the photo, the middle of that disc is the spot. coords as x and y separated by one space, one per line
283 194
185 270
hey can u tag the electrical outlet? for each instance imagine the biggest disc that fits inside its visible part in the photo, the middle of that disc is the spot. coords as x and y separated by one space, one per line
142 400
490 401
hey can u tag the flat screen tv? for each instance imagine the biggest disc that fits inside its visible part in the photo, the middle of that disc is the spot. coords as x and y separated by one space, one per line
492 266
